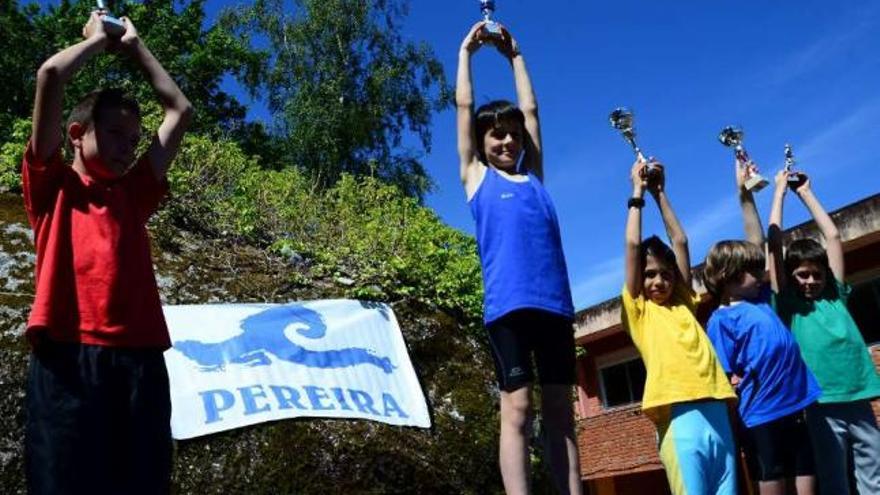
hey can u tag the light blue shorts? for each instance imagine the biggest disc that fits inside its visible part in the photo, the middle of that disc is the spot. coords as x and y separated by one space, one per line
697 449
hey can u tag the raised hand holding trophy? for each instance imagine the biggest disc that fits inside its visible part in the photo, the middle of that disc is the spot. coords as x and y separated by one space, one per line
732 137
622 119
492 28
795 178
112 26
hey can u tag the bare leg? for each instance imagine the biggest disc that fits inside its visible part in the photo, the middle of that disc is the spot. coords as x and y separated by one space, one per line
558 425
775 487
806 485
513 454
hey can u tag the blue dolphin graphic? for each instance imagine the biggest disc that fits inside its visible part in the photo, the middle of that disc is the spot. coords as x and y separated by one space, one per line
263 335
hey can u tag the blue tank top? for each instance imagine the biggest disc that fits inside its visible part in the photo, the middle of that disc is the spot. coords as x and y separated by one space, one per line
520 248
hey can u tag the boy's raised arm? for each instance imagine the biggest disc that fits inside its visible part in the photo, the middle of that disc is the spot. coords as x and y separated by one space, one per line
774 235
46 135
673 228
178 110
751 221
533 158
833 243
633 244
464 104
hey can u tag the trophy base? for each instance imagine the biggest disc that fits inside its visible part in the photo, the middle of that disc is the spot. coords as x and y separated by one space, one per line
113 26
492 29
755 183
795 180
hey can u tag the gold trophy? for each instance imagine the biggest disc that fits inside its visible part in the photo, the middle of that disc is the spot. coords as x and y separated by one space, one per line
621 118
732 137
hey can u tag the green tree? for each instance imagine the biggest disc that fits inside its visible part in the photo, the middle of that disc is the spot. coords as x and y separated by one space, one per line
346 87
16 85
197 57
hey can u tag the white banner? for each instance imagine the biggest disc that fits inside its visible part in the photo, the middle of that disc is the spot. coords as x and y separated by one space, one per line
233 365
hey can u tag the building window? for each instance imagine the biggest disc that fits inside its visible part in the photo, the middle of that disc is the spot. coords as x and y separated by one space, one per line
622 383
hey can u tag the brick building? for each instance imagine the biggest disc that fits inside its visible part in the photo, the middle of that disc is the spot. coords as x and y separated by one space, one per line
617 442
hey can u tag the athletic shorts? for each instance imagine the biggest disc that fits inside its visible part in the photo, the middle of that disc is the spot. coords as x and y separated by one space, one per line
780 449
98 420
697 448
520 335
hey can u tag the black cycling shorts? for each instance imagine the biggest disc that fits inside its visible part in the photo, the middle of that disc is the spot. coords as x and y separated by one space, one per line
780 449
520 335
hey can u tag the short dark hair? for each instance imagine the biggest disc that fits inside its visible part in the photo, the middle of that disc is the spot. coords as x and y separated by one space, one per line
659 250
490 115
728 261
90 108
803 250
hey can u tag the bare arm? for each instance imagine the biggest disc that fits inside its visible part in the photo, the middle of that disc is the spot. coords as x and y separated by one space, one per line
751 221
533 158
632 257
469 162
673 228
53 75
178 110
833 243
774 235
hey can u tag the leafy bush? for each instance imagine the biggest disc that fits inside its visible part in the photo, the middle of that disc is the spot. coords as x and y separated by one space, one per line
366 234
11 153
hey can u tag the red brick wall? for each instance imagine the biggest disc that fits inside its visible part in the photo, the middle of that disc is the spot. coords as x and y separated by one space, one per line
620 441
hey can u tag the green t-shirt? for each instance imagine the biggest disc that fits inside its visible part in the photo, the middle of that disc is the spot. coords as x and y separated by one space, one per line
831 343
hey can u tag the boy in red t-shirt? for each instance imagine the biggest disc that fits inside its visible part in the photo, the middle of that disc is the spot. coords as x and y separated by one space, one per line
98 406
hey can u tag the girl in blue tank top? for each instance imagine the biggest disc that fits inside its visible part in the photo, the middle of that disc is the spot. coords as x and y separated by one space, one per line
528 309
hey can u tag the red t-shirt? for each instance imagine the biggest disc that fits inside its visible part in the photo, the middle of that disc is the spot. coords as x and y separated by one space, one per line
94 274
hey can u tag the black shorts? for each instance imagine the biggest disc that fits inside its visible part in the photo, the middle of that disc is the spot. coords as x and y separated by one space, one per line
98 420
780 449
517 336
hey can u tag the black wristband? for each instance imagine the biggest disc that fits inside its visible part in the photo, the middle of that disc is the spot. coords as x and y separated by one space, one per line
635 202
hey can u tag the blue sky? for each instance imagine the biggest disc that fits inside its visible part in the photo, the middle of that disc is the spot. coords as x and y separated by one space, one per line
805 72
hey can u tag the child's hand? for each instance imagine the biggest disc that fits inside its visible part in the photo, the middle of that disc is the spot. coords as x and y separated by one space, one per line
734 380
130 38
638 174
744 170
474 39
506 44
94 26
804 185
782 181
656 179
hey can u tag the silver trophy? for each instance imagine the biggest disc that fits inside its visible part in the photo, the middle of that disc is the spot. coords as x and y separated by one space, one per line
732 137
622 120
795 178
112 26
487 8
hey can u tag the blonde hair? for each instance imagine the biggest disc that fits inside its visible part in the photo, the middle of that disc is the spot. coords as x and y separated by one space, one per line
728 261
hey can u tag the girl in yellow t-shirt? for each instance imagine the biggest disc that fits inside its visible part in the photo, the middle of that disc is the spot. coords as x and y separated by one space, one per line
686 390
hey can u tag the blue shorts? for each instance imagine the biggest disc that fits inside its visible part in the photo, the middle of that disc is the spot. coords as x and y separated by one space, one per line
697 448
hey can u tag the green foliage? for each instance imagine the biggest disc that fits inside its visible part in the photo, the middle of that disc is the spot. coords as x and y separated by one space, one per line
198 58
11 153
347 87
379 242
16 54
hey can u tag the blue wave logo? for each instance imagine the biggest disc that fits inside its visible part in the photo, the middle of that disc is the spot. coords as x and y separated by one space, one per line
263 337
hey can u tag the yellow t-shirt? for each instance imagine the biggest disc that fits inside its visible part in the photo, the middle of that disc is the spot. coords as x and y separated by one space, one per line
679 359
